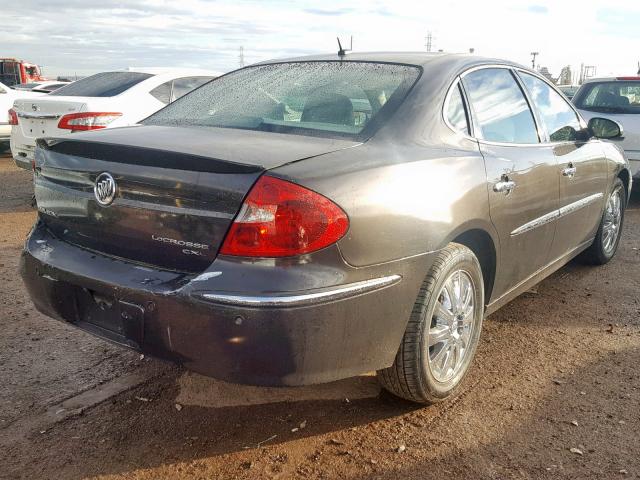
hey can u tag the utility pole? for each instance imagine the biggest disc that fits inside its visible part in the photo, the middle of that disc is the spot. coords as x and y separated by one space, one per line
533 59
428 41
241 56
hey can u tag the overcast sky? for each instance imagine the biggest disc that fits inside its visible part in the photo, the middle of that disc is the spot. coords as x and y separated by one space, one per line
80 36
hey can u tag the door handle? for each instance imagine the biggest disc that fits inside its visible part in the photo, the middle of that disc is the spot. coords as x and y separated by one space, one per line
504 185
570 171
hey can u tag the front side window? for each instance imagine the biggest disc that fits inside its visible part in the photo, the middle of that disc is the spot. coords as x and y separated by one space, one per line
560 120
308 98
500 108
107 84
456 114
610 97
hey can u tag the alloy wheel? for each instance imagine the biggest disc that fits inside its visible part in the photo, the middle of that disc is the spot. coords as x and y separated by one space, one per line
611 222
452 324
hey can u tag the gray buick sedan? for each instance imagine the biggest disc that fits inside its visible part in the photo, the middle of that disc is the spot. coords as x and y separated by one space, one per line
301 221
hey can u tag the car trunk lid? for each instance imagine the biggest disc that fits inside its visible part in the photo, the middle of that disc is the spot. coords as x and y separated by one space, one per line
177 189
39 117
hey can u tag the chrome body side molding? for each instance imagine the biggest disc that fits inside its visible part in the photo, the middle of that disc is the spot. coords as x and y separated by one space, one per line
555 214
536 222
302 299
583 202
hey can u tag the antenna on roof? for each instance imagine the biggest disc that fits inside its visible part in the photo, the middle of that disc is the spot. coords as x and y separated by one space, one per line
341 51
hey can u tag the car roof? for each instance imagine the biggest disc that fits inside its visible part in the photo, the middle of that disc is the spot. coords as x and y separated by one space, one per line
621 78
410 58
51 82
173 72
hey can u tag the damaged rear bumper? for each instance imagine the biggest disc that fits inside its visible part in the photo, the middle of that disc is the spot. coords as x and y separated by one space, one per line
259 322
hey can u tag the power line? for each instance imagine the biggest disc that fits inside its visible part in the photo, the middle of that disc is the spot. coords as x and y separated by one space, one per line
428 41
241 56
533 59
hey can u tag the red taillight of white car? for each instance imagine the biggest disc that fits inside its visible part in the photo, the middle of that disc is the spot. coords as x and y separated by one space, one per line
87 120
282 219
13 117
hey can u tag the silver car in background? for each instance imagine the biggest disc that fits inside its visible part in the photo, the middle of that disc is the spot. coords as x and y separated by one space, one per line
617 99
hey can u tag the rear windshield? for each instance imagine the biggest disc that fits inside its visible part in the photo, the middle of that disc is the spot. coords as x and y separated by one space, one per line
308 98
609 97
25 86
107 84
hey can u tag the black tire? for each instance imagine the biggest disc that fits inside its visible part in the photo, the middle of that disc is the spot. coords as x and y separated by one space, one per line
597 254
410 377
4 147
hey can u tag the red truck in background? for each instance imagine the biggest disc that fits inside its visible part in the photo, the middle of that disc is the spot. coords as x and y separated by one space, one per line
14 71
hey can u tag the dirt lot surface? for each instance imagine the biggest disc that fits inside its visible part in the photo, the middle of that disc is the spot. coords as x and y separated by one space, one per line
555 393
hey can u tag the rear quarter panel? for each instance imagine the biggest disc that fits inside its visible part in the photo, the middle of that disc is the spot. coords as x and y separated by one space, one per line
402 200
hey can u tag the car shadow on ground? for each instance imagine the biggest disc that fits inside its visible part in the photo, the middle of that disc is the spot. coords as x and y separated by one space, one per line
634 200
16 188
142 429
571 434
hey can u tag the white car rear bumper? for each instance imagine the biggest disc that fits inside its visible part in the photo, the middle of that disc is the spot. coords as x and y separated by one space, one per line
5 132
22 154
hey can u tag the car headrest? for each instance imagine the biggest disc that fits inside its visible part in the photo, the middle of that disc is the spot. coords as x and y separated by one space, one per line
332 108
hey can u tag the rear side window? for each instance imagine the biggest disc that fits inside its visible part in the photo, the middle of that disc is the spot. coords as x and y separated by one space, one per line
500 108
182 86
49 88
162 92
609 97
560 120
107 84
456 114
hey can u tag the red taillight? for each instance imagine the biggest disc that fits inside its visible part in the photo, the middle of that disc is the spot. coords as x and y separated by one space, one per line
628 78
13 117
87 120
282 219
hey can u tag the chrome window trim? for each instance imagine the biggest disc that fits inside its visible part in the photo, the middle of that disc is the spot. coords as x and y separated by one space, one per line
445 108
583 124
302 299
533 109
556 214
516 79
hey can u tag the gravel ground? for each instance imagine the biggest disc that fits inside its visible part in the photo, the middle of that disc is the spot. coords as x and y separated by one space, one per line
555 393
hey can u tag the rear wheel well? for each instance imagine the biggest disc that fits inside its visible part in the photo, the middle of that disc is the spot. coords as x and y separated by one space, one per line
481 244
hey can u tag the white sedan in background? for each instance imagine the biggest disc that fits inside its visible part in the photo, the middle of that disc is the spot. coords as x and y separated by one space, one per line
7 97
46 86
108 99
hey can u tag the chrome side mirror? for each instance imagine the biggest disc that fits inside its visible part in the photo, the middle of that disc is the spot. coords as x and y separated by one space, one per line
605 128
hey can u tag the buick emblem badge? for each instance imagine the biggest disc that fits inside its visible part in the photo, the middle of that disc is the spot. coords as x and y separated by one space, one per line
105 189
